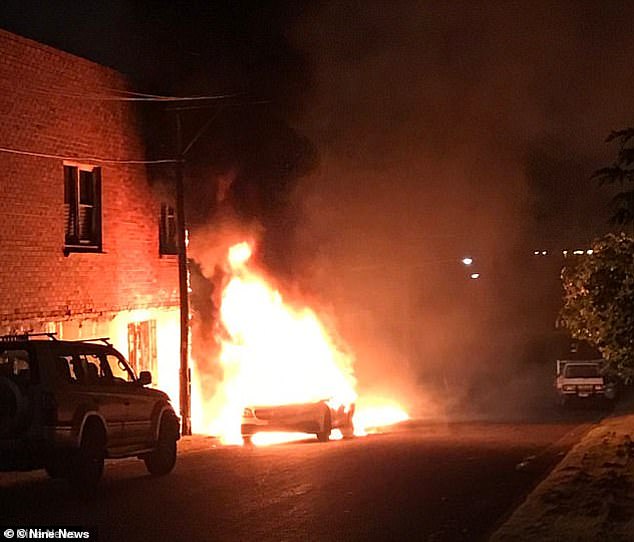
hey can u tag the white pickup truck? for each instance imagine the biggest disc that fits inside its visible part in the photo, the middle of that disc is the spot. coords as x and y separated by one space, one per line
582 379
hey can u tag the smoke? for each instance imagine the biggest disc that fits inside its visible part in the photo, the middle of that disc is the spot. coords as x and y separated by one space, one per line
445 131
375 145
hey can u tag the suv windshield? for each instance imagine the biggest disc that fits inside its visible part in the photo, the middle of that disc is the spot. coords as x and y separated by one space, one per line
581 371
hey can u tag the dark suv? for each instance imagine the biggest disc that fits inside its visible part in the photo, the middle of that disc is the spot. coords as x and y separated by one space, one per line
65 406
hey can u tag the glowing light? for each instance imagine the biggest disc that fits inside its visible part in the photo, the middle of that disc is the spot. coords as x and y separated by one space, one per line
239 254
273 352
578 252
589 252
474 276
467 260
376 413
266 439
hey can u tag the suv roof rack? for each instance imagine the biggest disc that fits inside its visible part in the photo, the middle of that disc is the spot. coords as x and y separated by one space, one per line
27 335
104 340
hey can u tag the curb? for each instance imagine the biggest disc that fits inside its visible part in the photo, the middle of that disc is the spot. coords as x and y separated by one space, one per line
586 493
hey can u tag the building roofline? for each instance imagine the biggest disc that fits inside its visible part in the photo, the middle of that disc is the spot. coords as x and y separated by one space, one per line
29 42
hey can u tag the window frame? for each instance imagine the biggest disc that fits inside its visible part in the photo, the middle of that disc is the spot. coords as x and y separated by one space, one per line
168 244
74 202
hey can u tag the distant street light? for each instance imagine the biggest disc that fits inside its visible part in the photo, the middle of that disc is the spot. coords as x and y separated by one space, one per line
467 260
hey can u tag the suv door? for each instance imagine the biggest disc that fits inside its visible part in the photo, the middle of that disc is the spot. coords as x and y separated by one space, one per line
87 390
140 401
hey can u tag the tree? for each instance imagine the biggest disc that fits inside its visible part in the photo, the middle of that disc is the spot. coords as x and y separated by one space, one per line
621 172
599 301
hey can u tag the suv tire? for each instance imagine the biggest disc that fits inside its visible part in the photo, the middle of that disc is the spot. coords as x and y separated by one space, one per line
86 465
14 411
161 461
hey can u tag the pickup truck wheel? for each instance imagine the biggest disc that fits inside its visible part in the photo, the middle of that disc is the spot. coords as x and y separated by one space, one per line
161 461
324 434
86 464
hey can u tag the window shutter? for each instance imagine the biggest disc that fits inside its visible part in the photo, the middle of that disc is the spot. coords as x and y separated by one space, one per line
97 220
70 204
132 346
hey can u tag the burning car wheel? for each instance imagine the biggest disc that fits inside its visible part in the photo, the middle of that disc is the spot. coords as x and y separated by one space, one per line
162 460
324 434
347 431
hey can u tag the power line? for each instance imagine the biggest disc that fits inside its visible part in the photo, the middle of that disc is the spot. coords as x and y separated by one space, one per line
86 159
132 96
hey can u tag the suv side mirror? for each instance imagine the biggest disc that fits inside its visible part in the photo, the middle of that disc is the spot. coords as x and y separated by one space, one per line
145 378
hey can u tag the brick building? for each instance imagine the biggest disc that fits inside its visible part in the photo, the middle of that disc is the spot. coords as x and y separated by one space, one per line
79 225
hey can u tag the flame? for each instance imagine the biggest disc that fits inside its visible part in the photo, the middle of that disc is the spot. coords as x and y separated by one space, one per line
375 413
239 254
275 353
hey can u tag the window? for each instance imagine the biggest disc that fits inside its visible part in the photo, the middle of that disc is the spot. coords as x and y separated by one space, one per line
92 369
16 366
118 369
82 205
581 371
167 230
68 371
142 346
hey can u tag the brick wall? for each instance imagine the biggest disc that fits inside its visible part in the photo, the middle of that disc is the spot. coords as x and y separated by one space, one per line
38 112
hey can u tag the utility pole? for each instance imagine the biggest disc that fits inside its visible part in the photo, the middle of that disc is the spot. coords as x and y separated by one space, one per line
183 283
183 274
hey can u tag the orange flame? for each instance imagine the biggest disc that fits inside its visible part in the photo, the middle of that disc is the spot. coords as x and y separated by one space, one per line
239 254
273 353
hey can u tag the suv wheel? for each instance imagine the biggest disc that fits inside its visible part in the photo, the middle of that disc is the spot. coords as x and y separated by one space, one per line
86 465
14 408
162 460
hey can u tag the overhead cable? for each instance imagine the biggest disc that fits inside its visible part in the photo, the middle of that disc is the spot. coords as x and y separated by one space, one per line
131 96
86 159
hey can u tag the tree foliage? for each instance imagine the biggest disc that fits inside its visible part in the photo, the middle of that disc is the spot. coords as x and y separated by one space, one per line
620 172
599 301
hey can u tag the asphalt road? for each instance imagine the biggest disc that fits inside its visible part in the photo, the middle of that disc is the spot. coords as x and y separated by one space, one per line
418 482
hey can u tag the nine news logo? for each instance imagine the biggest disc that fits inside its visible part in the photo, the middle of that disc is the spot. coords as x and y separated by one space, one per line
49 533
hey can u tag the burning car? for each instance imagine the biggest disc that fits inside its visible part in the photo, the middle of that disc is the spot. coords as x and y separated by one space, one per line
284 369
319 418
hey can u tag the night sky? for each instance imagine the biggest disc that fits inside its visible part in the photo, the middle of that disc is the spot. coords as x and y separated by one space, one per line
537 87
383 139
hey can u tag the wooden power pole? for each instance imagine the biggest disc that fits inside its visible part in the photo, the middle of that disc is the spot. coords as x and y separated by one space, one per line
183 284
